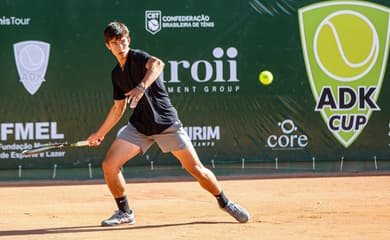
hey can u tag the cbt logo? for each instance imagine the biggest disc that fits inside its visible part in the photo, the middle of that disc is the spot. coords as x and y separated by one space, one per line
289 139
153 21
345 46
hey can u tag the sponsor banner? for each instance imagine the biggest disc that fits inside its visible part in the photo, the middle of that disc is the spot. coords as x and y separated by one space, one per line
31 59
16 137
289 138
217 74
329 98
204 136
345 46
14 21
155 21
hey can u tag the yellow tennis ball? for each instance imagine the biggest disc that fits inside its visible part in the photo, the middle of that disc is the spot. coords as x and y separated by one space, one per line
266 77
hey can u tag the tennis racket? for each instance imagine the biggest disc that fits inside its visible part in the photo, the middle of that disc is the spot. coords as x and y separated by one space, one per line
54 146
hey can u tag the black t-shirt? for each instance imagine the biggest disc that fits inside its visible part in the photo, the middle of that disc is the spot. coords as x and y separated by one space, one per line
154 112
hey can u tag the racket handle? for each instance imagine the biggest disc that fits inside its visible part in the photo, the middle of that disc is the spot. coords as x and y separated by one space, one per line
81 143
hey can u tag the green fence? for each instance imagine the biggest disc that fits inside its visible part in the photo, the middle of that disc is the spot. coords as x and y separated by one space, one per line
327 109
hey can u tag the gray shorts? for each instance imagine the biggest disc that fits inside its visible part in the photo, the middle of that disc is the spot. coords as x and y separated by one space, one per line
171 139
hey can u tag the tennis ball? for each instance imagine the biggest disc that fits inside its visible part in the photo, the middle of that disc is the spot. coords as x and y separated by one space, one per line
266 77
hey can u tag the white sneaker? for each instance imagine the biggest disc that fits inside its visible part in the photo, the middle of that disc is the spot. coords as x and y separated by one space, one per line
238 212
119 217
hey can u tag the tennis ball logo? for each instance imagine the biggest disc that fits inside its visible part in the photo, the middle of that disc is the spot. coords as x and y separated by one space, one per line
32 57
153 24
346 45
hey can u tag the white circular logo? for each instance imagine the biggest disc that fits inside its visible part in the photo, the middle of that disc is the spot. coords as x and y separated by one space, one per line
31 57
346 45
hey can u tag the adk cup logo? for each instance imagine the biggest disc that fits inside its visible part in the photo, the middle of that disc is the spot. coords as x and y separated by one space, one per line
345 46
31 59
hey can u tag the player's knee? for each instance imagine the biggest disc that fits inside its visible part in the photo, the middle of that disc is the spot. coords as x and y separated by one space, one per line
105 166
201 173
109 167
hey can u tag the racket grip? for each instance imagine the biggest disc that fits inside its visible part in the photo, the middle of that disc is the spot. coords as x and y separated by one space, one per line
81 143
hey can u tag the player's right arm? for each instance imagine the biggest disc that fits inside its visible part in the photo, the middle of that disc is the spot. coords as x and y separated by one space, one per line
112 118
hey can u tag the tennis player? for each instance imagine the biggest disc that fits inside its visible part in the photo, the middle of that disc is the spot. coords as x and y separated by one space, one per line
136 78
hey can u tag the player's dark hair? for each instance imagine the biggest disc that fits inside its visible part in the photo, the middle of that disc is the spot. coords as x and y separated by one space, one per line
115 30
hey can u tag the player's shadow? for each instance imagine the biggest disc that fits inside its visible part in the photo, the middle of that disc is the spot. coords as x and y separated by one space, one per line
97 228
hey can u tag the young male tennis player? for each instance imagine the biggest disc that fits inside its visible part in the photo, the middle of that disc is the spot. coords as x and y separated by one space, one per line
136 77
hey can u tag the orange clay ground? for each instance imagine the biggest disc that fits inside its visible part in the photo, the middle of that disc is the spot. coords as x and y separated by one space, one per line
290 208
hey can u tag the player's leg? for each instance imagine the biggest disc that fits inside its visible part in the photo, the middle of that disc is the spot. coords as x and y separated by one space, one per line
175 140
191 163
129 143
119 153
206 178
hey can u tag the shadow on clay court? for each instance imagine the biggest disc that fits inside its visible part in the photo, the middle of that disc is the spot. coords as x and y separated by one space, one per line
98 228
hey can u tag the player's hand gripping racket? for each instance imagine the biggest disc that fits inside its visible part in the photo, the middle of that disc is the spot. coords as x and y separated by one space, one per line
54 146
132 102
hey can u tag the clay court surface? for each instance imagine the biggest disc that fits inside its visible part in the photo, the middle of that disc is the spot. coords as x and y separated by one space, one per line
288 208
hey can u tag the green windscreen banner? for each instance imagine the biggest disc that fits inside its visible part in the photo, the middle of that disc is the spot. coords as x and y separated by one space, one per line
329 98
